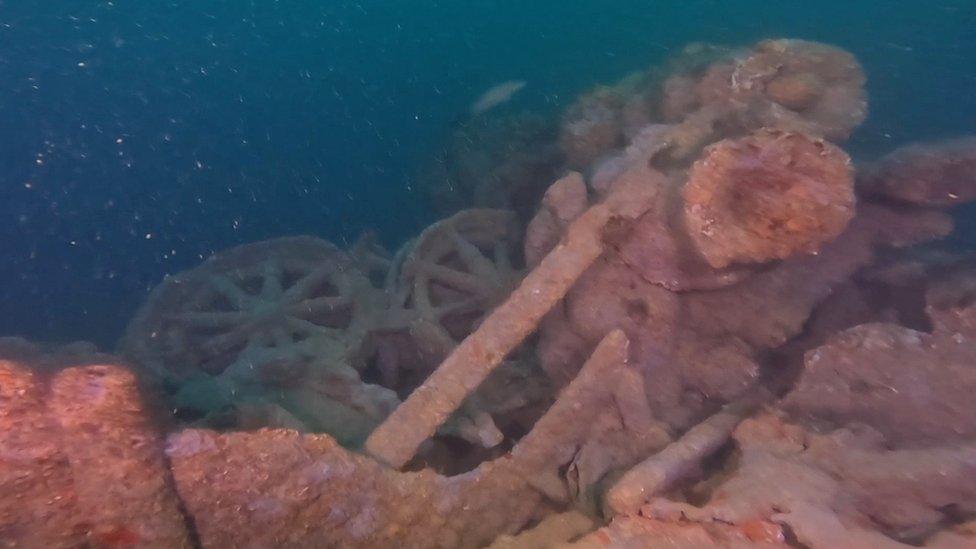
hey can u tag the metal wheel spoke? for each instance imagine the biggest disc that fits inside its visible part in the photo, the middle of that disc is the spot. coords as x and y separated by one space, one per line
503 263
306 328
465 282
280 337
271 286
210 319
469 305
303 287
421 295
471 256
318 305
225 342
232 292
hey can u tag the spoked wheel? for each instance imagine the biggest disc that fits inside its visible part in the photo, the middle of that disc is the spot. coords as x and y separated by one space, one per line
458 270
370 257
272 305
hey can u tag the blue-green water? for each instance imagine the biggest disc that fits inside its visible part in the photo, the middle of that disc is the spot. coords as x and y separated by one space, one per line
138 137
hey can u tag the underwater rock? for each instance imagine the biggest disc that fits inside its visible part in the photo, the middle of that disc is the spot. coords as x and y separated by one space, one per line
38 503
657 246
702 95
552 530
914 387
276 487
559 346
115 454
936 174
787 85
82 462
678 97
790 85
644 311
798 85
698 348
809 481
771 307
592 127
638 531
767 196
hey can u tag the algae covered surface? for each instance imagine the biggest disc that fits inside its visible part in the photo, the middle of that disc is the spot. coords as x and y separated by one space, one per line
347 274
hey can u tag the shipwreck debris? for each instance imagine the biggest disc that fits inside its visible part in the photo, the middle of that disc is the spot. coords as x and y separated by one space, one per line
396 440
767 196
736 346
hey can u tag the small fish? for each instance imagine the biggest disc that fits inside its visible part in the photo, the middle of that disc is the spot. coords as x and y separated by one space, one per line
496 95
899 46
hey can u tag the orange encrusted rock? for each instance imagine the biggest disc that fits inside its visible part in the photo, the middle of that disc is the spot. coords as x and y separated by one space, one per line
274 488
636 532
772 306
38 505
835 487
767 196
552 530
116 458
81 464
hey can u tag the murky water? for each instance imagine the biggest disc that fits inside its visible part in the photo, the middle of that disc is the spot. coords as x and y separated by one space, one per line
698 271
